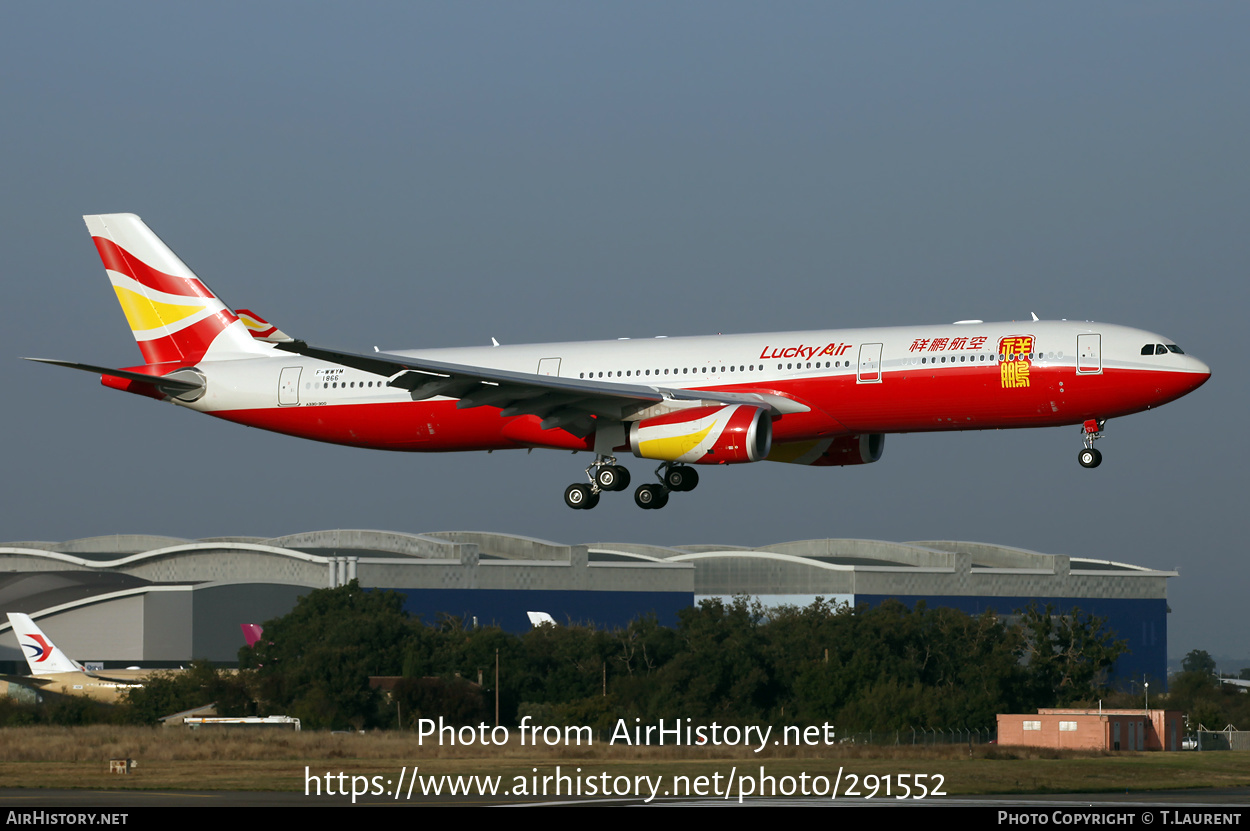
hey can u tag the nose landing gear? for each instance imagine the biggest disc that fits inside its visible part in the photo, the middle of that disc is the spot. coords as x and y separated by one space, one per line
1091 431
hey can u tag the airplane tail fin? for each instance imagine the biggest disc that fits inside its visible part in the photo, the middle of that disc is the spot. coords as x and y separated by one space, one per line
174 317
42 655
252 632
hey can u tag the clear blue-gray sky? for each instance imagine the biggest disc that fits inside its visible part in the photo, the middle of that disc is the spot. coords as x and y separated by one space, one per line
435 174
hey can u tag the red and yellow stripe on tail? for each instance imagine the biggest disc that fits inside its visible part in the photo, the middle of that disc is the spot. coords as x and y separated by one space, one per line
173 316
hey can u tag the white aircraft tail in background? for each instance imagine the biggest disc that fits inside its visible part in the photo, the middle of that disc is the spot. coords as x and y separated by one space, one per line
55 671
42 655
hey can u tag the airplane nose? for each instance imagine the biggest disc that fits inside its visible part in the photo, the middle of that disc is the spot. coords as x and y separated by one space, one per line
1201 371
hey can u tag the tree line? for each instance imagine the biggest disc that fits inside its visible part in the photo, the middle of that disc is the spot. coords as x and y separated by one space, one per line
884 667
880 668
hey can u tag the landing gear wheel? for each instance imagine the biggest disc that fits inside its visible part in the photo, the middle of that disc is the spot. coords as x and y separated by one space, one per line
681 478
650 496
622 475
1089 457
580 496
606 478
612 478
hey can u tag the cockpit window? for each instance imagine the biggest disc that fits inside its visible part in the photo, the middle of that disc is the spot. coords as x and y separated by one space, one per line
1148 349
1174 348
1160 349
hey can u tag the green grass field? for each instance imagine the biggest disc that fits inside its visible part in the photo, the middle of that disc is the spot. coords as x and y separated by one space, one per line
174 758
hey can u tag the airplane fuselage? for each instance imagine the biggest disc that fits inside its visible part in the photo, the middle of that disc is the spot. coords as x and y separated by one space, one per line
824 398
885 380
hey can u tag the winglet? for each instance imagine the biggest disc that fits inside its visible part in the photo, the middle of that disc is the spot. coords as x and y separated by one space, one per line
262 329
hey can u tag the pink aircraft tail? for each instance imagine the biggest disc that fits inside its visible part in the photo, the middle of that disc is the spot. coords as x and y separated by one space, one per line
252 632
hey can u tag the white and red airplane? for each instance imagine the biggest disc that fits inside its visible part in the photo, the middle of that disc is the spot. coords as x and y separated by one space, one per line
812 398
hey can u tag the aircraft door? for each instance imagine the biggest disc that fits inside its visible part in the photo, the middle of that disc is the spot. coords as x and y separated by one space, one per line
288 386
549 366
1088 354
869 363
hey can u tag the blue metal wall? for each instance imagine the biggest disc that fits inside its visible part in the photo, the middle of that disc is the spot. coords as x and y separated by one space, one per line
507 608
1143 623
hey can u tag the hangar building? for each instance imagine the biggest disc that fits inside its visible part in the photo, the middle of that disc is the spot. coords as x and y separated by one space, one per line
162 601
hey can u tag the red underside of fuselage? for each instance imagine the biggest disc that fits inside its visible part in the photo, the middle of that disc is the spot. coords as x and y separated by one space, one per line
909 400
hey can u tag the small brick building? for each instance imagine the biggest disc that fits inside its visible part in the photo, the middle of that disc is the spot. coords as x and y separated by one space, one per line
1094 729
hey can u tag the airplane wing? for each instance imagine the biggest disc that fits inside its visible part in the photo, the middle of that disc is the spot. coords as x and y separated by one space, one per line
566 403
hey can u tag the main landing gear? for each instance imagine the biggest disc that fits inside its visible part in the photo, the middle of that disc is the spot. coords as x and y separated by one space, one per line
678 478
606 475
1091 431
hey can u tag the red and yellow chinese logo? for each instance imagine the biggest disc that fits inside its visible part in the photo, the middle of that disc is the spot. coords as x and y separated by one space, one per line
1015 353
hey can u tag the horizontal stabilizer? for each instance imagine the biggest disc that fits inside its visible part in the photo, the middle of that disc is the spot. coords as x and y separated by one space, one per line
185 382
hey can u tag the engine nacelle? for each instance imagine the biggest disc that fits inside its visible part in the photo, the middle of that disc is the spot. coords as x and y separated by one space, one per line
845 450
725 435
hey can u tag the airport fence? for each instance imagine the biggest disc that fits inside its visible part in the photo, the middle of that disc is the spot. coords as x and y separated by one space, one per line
919 736
1227 739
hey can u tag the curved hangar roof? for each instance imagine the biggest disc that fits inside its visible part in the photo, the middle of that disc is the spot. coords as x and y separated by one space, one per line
388 558
173 599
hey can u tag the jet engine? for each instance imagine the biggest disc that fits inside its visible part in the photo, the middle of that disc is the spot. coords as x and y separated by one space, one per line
725 435
861 449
